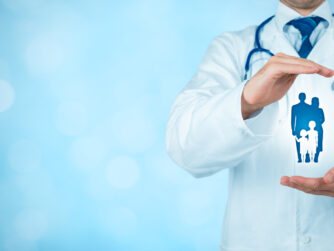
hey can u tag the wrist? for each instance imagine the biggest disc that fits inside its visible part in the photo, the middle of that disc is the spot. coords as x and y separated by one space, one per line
248 108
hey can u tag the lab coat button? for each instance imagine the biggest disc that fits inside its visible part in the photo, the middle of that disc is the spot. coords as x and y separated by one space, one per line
333 86
306 239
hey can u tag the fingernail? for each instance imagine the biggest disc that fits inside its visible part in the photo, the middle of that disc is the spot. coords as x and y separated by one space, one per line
330 178
284 181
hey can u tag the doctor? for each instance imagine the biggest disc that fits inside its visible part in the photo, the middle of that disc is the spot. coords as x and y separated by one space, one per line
235 114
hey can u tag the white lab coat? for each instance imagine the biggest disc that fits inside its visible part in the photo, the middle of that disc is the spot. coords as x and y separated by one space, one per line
206 133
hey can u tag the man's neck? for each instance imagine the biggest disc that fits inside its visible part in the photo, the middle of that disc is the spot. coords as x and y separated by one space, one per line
302 11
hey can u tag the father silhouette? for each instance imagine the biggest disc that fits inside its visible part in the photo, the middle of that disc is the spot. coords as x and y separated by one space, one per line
300 117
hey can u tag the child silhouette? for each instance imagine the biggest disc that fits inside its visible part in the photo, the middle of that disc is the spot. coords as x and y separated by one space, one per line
303 144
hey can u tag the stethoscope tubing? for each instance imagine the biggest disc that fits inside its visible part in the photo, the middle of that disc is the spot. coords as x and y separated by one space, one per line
258 47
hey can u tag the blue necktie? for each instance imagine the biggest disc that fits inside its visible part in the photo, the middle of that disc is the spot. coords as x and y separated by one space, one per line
305 26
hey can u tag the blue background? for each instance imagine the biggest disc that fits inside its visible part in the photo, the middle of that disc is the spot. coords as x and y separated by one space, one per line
85 92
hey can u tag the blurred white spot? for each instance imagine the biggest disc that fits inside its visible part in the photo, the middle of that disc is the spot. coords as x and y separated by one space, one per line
88 152
7 96
164 168
22 4
196 207
53 39
122 172
13 242
121 95
24 156
98 188
71 118
4 69
134 130
31 224
71 90
35 187
208 238
44 54
122 222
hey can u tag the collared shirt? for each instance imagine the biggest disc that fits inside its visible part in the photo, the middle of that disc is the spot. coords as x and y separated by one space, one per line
285 14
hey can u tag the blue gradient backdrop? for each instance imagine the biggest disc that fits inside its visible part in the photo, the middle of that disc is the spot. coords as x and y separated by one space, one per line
85 92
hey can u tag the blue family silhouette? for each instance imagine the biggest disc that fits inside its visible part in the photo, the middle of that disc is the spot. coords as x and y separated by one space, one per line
306 125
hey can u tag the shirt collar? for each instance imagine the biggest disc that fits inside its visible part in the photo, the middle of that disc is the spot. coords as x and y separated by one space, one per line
285 14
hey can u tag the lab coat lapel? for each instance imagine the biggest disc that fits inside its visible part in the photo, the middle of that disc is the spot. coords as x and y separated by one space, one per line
276 41
322 52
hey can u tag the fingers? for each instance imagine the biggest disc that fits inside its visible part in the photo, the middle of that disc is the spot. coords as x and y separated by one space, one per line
310 191
282 58
299 183
294 69
321 70
284 180
329 177
312 184
299 187
315 186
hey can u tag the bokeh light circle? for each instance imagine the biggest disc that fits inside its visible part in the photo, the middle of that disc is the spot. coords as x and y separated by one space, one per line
7 96
31 224
167 171
44 54
24 156
122 222
12 242
4 69
134 129
88 152
196 207
71 118
122 172
18 5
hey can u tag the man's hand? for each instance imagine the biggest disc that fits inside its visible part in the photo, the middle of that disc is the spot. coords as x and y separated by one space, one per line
274 80
317 186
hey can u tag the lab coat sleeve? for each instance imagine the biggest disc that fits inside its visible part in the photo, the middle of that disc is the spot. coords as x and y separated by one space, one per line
205 131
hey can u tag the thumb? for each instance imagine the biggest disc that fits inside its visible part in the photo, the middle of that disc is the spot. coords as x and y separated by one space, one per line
329 176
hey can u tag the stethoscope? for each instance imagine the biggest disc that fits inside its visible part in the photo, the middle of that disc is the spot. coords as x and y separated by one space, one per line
258 47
